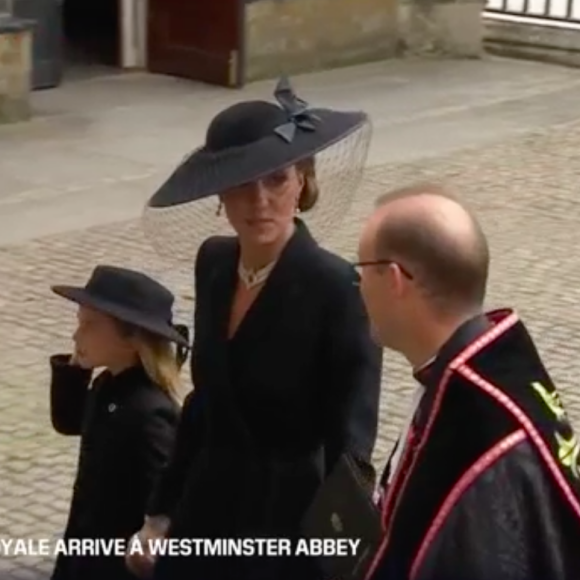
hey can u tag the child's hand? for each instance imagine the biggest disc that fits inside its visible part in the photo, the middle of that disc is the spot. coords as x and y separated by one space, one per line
76 359
142 565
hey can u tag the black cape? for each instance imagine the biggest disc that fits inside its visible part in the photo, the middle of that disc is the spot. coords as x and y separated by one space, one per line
488 486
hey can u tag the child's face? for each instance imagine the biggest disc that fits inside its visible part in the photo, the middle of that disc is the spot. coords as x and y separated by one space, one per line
98 340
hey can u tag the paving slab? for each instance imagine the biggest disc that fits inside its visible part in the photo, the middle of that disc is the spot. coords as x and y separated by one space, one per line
58 220
90 136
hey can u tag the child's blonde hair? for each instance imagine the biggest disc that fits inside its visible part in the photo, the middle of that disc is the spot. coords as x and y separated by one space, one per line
161 360
161 363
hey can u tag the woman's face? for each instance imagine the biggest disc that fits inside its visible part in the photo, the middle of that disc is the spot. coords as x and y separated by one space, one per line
261 212
99 341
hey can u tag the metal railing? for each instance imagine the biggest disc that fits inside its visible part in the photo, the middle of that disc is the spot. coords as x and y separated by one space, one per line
561 13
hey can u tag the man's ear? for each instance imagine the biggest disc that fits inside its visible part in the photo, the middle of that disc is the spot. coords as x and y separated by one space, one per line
399 281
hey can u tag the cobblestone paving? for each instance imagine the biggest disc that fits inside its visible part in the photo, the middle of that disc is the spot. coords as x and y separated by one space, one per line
525 192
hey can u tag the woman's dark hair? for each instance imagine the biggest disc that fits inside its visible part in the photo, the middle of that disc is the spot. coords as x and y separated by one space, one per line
310 191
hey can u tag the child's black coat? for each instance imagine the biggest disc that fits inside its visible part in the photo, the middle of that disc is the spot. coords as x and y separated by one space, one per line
127 426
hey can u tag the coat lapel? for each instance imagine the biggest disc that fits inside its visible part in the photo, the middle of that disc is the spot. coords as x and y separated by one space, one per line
222 289
283 285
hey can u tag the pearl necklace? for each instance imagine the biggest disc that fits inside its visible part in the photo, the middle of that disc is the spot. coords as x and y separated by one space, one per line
253 278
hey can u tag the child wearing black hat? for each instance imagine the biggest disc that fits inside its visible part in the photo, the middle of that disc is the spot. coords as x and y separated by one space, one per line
127 418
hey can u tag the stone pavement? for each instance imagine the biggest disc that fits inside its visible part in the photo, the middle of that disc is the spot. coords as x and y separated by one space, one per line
97 149
522 183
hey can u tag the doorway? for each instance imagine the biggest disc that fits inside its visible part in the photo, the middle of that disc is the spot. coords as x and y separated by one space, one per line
72 39
201 40
91 38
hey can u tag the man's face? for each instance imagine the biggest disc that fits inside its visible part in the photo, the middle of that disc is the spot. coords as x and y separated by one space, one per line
374 286
386 290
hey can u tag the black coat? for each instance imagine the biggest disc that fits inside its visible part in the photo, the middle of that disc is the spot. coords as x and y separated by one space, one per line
127 426
272 408
488 485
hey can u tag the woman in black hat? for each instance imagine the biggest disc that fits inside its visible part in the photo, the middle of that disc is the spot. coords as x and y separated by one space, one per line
127 418
286 376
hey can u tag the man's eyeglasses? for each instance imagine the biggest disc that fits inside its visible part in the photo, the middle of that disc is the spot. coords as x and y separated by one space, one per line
405 272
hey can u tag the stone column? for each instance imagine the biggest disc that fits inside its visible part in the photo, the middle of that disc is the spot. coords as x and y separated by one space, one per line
15 69
5 8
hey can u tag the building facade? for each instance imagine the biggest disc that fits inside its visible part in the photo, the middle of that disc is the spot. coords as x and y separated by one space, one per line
232 42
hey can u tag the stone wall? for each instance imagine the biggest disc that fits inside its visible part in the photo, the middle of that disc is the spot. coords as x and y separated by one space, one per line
15 70
542 43
441 27
293 36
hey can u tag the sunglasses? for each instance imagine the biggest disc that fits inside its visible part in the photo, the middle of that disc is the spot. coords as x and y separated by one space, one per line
404 271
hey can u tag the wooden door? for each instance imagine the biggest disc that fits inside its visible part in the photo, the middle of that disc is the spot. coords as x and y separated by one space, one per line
197 39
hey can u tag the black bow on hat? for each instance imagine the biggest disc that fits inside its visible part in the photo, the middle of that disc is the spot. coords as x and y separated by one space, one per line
252 139
298 113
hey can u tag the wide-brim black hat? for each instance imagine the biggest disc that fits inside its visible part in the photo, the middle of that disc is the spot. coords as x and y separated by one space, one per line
246 142
215 168
130 297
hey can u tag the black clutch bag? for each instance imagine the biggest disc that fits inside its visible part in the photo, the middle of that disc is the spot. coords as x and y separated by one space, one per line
343 509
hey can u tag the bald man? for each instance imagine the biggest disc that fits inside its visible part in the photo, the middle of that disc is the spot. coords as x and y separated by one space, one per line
484 482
